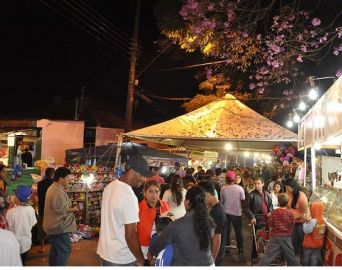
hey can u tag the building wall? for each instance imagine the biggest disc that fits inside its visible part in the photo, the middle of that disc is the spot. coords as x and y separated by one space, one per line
58 136
105 136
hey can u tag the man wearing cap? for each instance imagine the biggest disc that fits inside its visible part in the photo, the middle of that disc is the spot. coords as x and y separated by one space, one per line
231 198
21 219
118 242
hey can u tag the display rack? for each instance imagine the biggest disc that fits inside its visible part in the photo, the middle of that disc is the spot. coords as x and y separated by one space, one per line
85 192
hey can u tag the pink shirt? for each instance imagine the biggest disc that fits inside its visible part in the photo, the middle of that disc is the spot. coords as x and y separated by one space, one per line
231 197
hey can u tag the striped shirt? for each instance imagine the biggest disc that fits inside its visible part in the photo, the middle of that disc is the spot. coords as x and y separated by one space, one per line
281 222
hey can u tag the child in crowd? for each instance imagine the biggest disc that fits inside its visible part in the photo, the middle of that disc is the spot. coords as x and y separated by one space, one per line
21 219
281 222
314 230
164 258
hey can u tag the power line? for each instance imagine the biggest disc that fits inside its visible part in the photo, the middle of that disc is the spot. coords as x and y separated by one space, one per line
192 66
95 20
84 29
90 26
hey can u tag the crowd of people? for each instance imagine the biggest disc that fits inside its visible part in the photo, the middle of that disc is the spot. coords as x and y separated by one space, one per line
183 219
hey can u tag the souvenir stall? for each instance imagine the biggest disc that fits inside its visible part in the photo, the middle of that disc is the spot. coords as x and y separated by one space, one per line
321 128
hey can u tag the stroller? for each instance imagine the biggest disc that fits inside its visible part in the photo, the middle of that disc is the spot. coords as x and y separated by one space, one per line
261 240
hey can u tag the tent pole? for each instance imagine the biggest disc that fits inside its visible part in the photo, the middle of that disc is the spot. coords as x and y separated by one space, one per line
313 168
118 150
304 167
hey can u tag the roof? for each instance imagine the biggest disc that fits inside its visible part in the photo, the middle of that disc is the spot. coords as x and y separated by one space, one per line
226 119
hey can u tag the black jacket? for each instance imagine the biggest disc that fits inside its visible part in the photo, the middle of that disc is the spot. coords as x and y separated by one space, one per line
253 205
42 189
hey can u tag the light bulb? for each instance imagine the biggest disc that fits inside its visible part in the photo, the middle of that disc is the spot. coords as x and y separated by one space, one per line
313 94
296 118
302 106
289 124
228 147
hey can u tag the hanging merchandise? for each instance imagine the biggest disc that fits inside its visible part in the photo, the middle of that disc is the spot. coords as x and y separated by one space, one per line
85 191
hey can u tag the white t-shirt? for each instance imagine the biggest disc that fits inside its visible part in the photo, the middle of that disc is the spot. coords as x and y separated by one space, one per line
178 211
119 207
21 219
9 249
274 201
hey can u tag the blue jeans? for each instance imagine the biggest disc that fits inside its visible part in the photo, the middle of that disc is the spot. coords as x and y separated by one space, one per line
312 257
60 249
107 263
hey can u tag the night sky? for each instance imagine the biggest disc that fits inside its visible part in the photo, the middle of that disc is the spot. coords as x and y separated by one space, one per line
46 59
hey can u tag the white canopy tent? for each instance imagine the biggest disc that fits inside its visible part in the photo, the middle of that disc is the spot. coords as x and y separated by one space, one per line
212 126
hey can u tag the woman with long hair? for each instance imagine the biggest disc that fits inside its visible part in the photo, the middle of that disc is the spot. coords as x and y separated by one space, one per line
175 195
190 235
150 210
298 204
276 190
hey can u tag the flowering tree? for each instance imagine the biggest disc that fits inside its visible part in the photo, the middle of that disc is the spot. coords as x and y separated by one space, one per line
266 40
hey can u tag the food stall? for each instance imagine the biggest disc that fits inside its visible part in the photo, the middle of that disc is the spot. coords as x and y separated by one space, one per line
321 128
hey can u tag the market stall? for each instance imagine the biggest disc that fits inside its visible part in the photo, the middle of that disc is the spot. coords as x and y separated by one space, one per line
225 125
321 128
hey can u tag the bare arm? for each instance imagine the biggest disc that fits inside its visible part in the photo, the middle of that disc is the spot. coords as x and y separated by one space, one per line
215 247
131 237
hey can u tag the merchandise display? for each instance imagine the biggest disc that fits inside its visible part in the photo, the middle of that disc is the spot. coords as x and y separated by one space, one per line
85 191
331 198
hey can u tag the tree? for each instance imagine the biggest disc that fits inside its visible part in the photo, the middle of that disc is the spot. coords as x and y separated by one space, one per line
268 42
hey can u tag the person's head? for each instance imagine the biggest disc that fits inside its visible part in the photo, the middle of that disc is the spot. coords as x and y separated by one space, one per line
152 192
189 185
192 170
218 171
230 177
199 168
136 169
62 176
23 193
176 186
161 223
210 191
156 170
188 171
283 199
49 172
259 183
3 172
277 187
237 179
210 173
195 201
26 148
176 165
292 186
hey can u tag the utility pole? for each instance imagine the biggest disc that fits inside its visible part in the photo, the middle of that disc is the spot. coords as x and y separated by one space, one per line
131 79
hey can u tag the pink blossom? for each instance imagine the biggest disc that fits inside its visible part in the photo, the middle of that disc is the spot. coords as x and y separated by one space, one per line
335 52
300 37
299 58
315 22
261 90
339 73
209 73
251 86
303 48
275 64
258 37
211 6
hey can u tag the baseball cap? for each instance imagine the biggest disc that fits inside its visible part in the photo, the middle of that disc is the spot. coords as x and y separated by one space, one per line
23 193
230 175
139 164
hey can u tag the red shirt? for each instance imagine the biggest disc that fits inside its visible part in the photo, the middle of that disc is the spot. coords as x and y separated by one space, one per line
156 178
281 222
264 209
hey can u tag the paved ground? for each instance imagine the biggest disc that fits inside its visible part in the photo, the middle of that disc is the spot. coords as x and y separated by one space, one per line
84 253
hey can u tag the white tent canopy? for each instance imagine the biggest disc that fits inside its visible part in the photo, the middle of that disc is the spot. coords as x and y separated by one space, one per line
214 125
